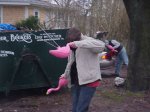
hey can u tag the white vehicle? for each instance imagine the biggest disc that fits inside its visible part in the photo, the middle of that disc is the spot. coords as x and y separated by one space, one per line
107 63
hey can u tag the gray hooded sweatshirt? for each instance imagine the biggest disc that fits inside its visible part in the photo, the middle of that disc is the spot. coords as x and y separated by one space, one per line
87 60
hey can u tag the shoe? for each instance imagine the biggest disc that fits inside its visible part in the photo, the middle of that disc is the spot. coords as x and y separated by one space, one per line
114 74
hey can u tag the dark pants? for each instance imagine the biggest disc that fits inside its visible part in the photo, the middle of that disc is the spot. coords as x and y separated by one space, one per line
81 97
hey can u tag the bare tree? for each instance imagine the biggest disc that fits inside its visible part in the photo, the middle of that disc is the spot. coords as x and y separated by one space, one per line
93 15
62 13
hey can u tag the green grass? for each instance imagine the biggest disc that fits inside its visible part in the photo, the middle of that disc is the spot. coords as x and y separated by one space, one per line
118 96
135 94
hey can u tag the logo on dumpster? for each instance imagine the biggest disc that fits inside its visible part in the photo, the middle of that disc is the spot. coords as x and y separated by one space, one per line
3 38
48 37
30 37
19 38
4 53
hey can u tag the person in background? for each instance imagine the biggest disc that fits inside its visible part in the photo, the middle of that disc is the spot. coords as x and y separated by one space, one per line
118 49
83 69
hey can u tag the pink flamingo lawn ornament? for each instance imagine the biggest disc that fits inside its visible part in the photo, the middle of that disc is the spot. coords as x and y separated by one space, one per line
62 82
61 52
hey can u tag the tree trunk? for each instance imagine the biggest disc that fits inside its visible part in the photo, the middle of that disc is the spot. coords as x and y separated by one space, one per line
139 54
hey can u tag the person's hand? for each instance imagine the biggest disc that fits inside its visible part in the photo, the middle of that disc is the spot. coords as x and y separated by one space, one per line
72 45
62 76
114 50
111 48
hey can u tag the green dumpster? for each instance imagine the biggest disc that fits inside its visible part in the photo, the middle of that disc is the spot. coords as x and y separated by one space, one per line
25 61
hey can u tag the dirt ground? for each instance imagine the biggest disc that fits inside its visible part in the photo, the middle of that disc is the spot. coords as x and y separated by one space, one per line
108 98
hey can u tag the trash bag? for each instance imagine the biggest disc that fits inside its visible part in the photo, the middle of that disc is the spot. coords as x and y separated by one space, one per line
119 81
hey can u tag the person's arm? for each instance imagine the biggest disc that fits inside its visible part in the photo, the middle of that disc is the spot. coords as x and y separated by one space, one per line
94 45
110 47
115 43
68 66
106 42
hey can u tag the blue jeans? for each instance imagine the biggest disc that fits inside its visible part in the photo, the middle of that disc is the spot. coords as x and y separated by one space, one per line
121 57
81 97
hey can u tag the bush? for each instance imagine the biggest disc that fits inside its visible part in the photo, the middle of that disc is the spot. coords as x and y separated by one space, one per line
30 23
